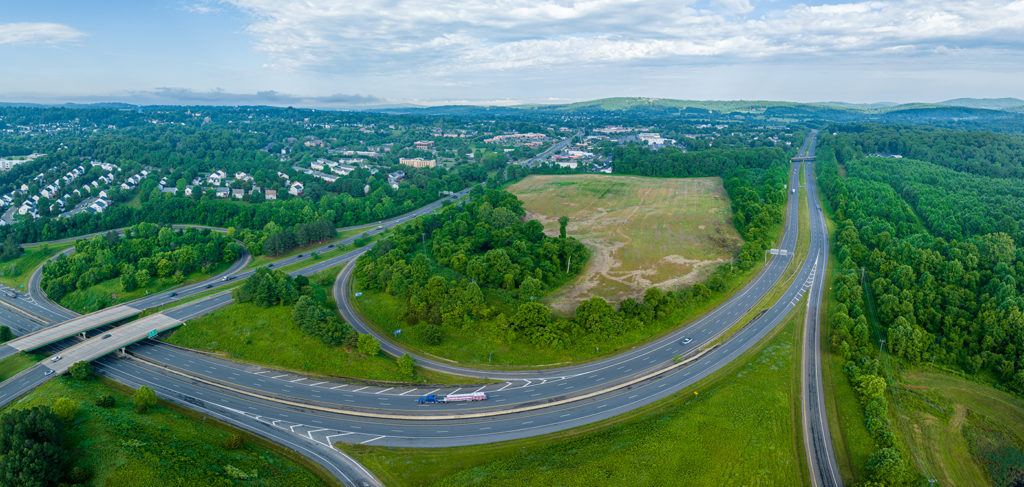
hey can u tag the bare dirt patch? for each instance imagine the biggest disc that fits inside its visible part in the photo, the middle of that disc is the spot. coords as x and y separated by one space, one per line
641 232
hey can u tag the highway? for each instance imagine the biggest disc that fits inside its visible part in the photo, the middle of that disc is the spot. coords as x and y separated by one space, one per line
821 457
521 403
337 464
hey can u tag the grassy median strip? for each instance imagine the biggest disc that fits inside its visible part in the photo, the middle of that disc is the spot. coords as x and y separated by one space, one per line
738 430
262 260
11 366
796 261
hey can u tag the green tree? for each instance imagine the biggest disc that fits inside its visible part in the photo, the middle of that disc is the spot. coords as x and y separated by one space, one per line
563 223
144 399
531 288
5 334
368 345
886 465
80 370
870 387
31 447
65 408
406 366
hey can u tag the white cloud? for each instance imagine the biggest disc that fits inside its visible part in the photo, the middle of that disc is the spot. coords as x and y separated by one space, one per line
450 36
37 33
735 6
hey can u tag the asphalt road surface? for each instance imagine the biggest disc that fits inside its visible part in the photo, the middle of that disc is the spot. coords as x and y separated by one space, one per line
817 437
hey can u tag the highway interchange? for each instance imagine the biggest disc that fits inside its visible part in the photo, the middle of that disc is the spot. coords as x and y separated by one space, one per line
310 414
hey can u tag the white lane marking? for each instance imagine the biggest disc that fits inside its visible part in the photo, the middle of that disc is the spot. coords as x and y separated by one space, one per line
328 438
373 439
310 432
361 388
318 383
339 387
279 376
406 392
385 390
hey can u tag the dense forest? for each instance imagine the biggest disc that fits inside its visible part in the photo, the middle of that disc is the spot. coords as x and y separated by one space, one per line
922 253
32 449
146 251
981 153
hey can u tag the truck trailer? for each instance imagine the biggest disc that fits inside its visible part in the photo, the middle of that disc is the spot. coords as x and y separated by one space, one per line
473 396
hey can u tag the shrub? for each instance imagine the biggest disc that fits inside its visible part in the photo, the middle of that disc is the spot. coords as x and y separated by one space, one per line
234 442
78 475
105 401
431 334
368 345
65 408
144 399
80 370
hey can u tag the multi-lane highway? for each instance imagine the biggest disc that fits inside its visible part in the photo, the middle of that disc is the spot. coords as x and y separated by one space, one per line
821 458
316 413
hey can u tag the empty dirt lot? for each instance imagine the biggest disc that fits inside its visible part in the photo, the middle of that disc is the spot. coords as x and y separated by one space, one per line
641 231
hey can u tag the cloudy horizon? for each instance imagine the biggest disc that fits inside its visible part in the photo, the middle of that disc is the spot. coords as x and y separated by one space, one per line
320 53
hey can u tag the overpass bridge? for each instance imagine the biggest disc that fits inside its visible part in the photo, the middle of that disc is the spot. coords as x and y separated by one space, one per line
67 329
802 159
116 338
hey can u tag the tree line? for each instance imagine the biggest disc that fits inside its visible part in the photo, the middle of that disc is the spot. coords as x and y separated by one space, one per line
976 152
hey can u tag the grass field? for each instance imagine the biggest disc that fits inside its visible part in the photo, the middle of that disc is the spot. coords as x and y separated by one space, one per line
164 447
642 232
10 366
964 433
16 273
739 430
268 336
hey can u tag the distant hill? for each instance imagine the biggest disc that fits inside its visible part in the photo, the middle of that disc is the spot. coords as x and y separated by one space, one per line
990 103
116 105
633 103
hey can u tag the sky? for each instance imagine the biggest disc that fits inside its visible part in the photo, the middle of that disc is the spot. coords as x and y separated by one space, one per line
336 54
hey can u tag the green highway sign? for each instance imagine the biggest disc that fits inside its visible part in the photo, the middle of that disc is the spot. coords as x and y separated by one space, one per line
153 333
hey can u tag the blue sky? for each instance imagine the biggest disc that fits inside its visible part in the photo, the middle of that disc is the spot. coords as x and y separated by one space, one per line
334 53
